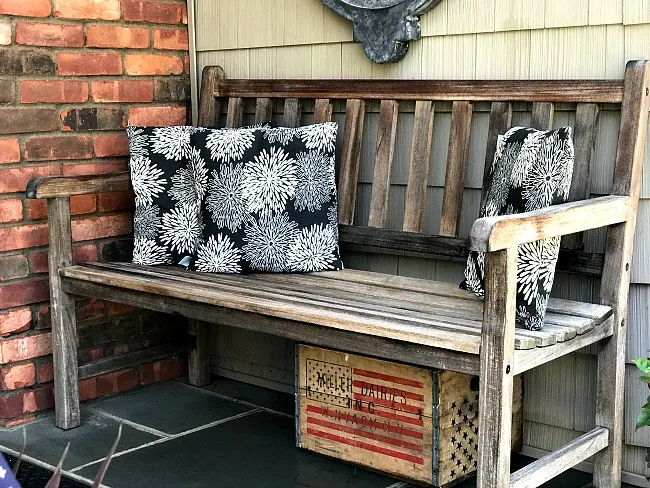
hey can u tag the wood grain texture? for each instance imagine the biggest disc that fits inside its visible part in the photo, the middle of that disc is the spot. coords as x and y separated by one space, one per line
198 358
416 189
603 91
495 233
452 201
263 110
497 359
63 186
292 112
62 309
209 104
616 277
235 115
386 134
584 144
542 116
555 463
322 110
500 122
350 155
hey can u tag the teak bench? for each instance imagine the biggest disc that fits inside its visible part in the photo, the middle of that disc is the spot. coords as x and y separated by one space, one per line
420 322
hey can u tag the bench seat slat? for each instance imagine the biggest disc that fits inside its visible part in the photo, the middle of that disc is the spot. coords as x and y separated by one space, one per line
439 315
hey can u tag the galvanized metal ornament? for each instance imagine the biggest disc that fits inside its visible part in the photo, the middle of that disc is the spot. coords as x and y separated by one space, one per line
383 27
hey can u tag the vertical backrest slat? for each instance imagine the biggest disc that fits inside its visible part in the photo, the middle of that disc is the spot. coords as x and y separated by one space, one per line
292 112
416 189
452 202
322 111
235 114
542 116
500 122
349 173
263 110
210 106
584 139
386 135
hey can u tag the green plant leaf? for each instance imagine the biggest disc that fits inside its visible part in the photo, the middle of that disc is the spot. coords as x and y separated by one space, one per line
645 378
643 364
643 420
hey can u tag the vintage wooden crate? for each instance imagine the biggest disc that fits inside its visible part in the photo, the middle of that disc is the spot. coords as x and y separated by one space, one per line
416 424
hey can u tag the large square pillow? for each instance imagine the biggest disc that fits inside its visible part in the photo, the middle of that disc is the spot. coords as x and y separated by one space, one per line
531 170
169 179
270 203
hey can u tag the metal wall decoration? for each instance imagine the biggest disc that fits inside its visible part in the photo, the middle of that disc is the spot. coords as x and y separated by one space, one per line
383 27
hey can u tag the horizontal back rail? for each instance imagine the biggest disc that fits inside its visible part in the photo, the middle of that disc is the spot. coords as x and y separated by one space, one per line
600 91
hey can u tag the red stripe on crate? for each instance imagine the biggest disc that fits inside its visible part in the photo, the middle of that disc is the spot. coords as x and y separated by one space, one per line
362 433
385 403
395 429
387 377
386 390
368 447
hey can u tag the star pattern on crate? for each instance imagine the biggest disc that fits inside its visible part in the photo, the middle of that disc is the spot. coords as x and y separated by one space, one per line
329 383
464 438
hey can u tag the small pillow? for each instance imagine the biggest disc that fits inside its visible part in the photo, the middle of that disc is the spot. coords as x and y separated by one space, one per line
169 179
270 203
532 169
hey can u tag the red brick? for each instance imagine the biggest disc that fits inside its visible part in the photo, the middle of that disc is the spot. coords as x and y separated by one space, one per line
18 376
26 401
79 204
164 370
127 379
15 321
114 308
174 39
123 91
20 294
45 372
25 8
184 14
152 64
17 421
80 254
13 267
154 12
15 179
89 64
88 389
23 236
102 226
94 168
11 210
5 34
116 36
53 91
90 309
9 151
93 118
117 200
58 147
186 64
87 9
20 120
42 34
25 347
158 116
113 145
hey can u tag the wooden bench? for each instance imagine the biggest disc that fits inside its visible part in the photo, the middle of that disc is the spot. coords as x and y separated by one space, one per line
421 322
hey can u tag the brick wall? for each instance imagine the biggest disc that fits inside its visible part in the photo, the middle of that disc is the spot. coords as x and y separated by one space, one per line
73 74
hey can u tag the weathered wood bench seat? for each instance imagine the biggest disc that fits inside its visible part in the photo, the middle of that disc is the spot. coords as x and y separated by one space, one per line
416 321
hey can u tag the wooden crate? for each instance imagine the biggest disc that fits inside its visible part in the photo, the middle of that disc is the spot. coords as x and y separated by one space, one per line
416 424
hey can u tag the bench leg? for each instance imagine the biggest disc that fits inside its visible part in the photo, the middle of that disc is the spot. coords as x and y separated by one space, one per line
609 410
199 357
496 380
64 324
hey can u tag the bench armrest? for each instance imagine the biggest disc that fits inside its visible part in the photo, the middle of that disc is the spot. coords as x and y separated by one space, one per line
507 231
64 186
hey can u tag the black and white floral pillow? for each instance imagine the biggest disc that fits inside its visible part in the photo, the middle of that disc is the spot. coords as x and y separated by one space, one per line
271 202
532 169
169 179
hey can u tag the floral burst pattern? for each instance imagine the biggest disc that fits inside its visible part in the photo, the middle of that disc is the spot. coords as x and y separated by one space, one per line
531 170
168 179
272 198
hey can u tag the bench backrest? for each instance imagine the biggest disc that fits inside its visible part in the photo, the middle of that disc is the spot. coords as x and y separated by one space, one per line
226 101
